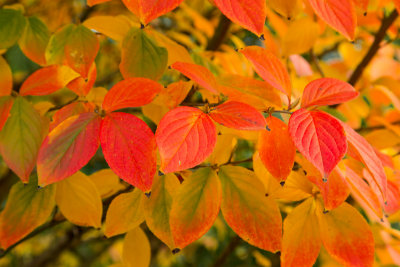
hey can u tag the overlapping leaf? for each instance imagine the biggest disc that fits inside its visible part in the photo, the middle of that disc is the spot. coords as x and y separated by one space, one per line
12 26
185 137
82 86
136 251
129 148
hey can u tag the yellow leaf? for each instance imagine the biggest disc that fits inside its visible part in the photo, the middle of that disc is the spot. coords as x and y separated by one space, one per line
287 8
136 251
107 182
114 27
300 36
273 188
125 213
223 149
79 201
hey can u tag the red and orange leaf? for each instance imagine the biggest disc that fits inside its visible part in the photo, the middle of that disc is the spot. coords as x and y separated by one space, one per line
81 50
147 10
247 211
68 111
276 148
129 148
319 137
339 14
81 86
195 207
185 137
269 67
334 191
393 199
47 80
157 207
301 238
347 236
238 115
6 103
27 207
5 78
21 137
68 147
250 14
366 154
199 74
131 92
327 91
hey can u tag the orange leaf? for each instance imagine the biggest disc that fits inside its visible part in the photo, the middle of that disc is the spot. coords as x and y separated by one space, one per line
47 80
68 148
129 148
81 50
238 115
276 148
301 238
6 103
5 77
339 14
347 236
96 2
393 200
246 209
82 86
250 14
269 67
327 91
366 154
319 137
185 137
199 74
68 111
147 10
195 207
132 92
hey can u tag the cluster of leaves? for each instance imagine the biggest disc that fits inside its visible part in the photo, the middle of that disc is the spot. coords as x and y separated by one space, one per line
174 135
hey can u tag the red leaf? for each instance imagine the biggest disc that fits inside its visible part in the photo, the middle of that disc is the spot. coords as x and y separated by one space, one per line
68 148
276 149
147 10
269 67
239 116
366 154
185 137
47 80
129 148
6 103
319 137
199 74
82 86
132 92
327 91
250 14
339 14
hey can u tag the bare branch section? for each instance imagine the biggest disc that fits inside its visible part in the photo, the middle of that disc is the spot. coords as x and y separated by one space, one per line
379 36
220 33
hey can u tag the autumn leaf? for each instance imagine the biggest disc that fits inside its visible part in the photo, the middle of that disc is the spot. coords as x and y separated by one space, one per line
185 137
55 50
81 86
5 78
68 111
12 26
6 103
136 251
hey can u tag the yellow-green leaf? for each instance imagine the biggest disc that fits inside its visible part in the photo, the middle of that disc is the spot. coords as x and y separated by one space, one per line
21 137
136 251
248 211
12 24
55 48
125 213
142 57
27 207
79 201
195 207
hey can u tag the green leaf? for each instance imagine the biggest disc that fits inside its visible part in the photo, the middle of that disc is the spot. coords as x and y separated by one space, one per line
21 137
12 24
55 49
141 57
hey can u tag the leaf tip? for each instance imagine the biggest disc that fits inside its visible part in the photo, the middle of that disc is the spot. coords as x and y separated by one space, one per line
262 38
148 194
282 183
175 251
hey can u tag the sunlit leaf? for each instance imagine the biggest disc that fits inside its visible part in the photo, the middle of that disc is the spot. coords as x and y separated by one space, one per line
115 27
136 251
185 137
5 77
12 26
79 200
195 207
129 148
68 147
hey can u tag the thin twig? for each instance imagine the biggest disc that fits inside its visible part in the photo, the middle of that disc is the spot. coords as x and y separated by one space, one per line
316 63
219 34
228 250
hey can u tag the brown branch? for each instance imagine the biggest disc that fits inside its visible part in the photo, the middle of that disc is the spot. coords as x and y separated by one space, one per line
235 241
219 34
379 36
314 59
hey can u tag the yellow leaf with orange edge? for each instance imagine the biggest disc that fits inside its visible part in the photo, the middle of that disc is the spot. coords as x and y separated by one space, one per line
115 27
297 187
27 207
300 36
79 200
301 238
107 182
223 149
125 213
246 209
136 251
158 207
5 78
